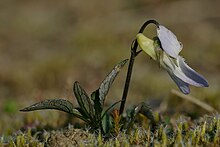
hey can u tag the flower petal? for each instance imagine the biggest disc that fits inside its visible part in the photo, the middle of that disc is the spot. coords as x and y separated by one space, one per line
182 71
183 86
198 80
169 42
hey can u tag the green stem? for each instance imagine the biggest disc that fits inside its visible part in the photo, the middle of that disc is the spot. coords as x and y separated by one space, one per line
134 53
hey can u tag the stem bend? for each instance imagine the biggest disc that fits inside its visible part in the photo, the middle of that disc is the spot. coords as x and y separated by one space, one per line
134 53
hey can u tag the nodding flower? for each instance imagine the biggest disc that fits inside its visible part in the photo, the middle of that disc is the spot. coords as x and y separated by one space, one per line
165 50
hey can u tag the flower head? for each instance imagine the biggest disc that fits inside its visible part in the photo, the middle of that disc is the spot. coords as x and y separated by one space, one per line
165 50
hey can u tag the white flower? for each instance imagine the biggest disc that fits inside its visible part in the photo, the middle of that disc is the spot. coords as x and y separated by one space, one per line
178 70
169 42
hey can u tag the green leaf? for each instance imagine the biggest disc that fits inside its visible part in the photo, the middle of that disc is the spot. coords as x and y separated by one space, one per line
129 119
146 110
99 95
142 108
107 82
107 123
83 100
109 108
58 104
78 114
97 105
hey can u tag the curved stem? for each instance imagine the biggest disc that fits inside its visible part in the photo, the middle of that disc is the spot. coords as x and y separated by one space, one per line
147 23
134 53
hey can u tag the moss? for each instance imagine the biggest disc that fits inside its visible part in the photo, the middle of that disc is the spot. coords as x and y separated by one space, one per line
202 132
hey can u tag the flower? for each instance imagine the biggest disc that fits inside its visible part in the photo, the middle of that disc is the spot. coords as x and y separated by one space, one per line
165 50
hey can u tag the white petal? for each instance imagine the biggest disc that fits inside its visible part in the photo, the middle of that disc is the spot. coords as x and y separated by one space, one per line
192 79
169 42
181 70
184 87
175 73
190 73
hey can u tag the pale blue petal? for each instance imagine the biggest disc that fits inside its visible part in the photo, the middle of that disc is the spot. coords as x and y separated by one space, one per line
169 42
183 86
197 79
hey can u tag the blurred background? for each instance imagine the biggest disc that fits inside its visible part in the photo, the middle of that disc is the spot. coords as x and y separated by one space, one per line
47 45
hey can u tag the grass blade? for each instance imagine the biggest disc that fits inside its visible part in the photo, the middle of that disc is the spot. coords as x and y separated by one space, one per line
194 100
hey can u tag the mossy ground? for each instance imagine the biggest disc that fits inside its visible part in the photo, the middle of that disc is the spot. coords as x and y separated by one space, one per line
183 132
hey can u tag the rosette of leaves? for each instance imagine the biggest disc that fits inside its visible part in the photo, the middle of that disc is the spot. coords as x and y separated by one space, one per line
91 109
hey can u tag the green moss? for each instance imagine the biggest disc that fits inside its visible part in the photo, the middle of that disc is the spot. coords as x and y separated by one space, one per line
202 132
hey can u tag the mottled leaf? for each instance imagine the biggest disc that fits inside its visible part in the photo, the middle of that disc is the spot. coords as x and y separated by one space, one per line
58 104
97 105
107 82
83 100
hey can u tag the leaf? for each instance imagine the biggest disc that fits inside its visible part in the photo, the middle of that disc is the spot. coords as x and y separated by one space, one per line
142 108
83 100
107 123
107 82
58 104
97 105
109 108
145 109
80 115
129 120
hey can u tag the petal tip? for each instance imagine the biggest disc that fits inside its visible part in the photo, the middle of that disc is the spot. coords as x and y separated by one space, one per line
185 90
183 87
206 84
193 78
